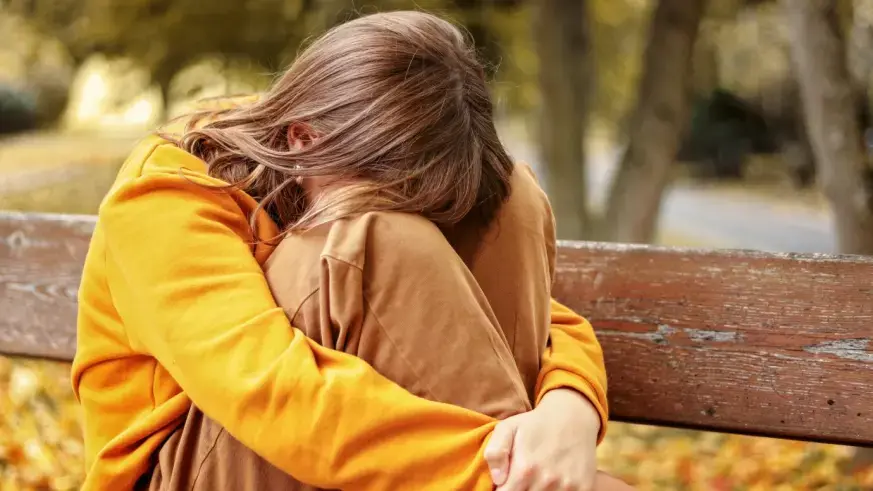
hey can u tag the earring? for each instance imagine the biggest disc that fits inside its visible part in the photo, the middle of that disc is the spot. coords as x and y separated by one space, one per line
298 179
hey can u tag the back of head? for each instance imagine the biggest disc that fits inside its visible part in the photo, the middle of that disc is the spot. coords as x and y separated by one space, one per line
401 112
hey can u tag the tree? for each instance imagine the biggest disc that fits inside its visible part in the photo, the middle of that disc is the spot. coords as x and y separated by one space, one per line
830 104
619 33
833 66
564 45
655 127
657 124
166 35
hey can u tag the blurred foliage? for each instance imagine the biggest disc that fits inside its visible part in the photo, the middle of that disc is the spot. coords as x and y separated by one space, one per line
698 461
35 64
41 447
18 109
40 427
166 35
620 32
743 47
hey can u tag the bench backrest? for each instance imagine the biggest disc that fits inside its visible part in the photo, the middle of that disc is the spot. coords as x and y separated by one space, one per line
737 341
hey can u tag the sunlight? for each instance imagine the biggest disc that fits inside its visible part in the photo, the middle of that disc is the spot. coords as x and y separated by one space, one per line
141 112
94 91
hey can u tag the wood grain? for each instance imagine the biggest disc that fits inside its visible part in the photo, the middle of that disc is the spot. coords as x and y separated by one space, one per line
739 341
747 342
41 259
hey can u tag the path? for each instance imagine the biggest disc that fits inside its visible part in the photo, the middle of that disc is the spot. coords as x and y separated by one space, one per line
718 216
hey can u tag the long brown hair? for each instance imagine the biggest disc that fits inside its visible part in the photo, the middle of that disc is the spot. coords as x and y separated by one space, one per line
402 111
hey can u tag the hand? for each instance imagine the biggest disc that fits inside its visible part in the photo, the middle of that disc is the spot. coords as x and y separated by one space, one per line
551 448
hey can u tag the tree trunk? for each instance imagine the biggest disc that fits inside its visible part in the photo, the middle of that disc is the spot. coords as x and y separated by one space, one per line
829 102
563 38
859 47
862 68
860 51
162 77
858 29
657 123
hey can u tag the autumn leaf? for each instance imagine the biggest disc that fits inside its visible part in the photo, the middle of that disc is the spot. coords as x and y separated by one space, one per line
41 447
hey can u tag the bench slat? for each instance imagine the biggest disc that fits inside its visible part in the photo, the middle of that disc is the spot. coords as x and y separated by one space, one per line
41 259
738 341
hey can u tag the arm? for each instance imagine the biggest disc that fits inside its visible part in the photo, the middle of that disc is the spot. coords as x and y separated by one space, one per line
557 438
190 293
560 435
574 360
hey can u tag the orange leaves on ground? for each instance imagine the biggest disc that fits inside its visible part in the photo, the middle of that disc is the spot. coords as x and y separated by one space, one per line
669 459
41 447
40 432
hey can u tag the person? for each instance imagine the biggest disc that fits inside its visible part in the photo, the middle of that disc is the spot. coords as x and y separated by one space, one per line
175 308
340 284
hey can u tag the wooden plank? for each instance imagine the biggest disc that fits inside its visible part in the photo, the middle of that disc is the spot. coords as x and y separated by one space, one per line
771 344
739 341
41 259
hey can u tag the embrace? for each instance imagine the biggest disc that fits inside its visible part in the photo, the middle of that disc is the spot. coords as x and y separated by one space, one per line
344 283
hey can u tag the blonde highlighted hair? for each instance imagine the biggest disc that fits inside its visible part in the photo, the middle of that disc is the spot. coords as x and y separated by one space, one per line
402 113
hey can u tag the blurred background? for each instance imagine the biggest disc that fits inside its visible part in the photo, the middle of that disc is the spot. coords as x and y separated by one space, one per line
680 122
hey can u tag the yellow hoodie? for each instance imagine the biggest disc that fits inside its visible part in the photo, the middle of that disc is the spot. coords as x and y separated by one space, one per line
174 309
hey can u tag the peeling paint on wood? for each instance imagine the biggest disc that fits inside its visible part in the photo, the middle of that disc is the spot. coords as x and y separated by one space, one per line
741 341
664 334
660 336
848 349
701 336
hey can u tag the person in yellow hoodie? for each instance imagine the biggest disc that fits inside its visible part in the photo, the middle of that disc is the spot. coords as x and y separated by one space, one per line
175 309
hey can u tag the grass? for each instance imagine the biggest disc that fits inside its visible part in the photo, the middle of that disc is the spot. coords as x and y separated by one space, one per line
59 173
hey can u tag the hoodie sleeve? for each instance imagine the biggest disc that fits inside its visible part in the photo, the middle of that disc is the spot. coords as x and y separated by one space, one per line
574 359
191 295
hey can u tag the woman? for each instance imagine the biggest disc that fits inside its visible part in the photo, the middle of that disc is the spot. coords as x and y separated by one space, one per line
175 308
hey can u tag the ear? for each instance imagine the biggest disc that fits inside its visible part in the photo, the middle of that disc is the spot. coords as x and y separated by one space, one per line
300 135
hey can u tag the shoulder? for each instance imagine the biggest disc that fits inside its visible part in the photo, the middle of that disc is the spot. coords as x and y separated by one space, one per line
526 193
163 182
386 240
154 155
156 163
527 211
154 168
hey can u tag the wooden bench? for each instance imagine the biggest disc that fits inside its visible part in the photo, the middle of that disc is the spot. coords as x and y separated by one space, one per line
735 341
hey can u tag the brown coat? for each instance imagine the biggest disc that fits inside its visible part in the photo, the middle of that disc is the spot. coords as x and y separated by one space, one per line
462 319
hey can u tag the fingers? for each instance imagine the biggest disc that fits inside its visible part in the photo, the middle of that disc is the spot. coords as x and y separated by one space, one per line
605 482
521 477
549 482
498 450
529 476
